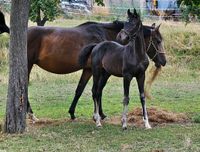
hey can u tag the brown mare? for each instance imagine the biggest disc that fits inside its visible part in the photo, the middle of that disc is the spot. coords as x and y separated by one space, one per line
57 49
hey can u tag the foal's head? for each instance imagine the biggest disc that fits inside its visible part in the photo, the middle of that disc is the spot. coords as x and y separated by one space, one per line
155 49
131 27
153 39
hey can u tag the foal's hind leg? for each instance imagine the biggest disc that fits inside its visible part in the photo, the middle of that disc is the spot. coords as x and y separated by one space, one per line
140 81
102 82
86 75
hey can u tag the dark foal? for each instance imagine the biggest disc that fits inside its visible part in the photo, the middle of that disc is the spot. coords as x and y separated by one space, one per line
154 49
110 58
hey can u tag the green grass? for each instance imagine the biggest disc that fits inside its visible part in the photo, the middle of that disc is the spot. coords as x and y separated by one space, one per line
84 136
176 90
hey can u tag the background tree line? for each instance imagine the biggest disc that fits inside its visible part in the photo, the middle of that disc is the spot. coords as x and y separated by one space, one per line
42 11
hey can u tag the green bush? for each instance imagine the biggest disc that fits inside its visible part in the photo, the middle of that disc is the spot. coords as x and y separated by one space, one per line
196 118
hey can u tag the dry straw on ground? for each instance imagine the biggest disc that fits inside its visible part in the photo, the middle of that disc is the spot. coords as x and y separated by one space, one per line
156 116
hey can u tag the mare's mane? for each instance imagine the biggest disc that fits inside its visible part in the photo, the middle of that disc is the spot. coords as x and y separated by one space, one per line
114 25
147 30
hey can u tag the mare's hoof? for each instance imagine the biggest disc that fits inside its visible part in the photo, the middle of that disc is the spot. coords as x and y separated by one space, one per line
32 118
73 117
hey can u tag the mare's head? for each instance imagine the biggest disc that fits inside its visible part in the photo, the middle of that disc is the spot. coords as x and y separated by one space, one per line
154 45
131 27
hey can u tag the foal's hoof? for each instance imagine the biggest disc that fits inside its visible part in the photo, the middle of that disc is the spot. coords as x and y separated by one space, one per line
124 128
94 119
148 127
73 118
99 125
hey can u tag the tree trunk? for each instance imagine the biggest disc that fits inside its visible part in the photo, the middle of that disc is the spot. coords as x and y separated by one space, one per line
42 22
15 121
39 21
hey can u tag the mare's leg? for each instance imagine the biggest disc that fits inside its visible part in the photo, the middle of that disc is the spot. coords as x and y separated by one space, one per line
140 80
29 109
101 85
86 75
127 79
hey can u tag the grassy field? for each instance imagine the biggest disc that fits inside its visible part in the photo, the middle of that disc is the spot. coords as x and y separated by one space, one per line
177 90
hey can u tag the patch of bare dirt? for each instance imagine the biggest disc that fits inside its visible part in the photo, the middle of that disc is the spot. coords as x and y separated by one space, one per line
47 122
156 117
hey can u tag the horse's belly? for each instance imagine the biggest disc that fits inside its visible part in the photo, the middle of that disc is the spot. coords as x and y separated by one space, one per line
113 65
58 67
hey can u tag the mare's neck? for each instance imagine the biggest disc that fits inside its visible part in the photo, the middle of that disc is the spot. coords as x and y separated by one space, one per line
111 34
112 29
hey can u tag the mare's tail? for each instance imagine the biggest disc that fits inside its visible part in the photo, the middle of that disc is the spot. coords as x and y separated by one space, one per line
85 53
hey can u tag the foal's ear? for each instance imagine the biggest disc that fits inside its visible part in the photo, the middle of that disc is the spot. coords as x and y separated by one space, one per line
135 12
157 28
153 25
129 13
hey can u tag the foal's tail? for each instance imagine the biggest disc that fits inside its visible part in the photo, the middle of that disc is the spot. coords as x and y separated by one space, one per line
85 53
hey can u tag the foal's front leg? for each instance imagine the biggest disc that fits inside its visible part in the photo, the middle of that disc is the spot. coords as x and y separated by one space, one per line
140 82
127 80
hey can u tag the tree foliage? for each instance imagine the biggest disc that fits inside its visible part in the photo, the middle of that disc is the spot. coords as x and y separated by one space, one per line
47 10
44 10
190 9
100 2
